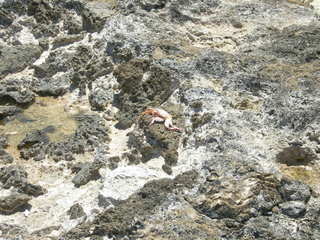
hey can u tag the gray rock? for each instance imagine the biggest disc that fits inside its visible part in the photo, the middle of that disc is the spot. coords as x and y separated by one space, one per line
5 157
16 176
294 191
89 172
294 209
15 59
13 203
3 141
296 155
5 18
15 94
34 145
76 211
6 111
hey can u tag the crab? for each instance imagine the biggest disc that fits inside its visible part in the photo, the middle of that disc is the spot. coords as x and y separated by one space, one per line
159 116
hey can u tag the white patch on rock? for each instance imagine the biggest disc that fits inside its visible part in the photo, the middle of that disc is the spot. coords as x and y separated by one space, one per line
26 37
124 181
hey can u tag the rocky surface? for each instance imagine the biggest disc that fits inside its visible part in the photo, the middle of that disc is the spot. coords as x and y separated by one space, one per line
78 161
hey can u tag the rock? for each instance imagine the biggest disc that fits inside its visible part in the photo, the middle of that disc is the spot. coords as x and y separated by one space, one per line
91 22
294 191
13 203
34 145
135 94
16 176
12 176
3 141
5 158
66 40
17 58
6 111
5 18
296 155
294 209
76 211
89 172
100 97
118 221
17 95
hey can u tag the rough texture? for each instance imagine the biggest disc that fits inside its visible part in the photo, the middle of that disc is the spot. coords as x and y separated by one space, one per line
241 78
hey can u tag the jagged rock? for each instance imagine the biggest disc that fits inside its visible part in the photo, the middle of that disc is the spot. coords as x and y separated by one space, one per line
89 172
16 176
136 94
295 191
118 221
5 18
91 22
5 157
6 111
13 203
296 155
294 209
34 145
15 59
3 141
76 211
15 94
100 97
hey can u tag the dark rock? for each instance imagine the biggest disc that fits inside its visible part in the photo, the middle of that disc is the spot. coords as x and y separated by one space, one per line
3 141
294 191
296 155
167 169
118 52
91 22
5 17
91 133
214 63
100 97
34 145
125 218
152 141
12 176
43 12
220 195
16 176
76 211
6 111
15 59
53 87
296 44
32 189
15 94
294 209
5 157
135 94
13 203
89 172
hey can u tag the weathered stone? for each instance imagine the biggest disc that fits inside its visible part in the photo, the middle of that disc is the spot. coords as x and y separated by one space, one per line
118 221
6 111
5 157
13 203
294 209
89 172
76 211
15 94
294 191
296 155
15 59
5 18
16 176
